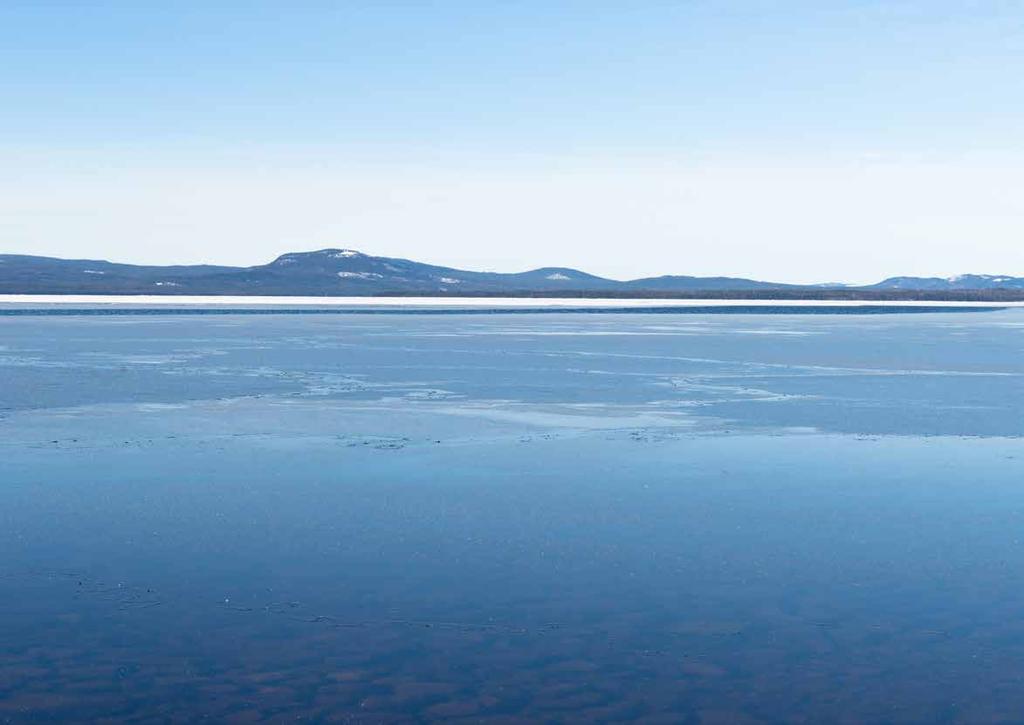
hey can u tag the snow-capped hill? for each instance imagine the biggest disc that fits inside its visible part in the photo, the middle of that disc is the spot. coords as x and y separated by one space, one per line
558 273
985 281
348 271
319 255
959 282
559 278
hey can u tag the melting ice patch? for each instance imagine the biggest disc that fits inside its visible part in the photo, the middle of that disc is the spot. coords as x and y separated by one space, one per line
431 394
732 393
570 417
795 333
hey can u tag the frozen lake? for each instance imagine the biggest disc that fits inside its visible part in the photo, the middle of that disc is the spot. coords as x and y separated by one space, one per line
566 516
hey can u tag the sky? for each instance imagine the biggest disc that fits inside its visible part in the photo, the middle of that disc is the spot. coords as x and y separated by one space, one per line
816 141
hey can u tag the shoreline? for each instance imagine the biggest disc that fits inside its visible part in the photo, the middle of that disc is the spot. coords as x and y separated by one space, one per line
22 301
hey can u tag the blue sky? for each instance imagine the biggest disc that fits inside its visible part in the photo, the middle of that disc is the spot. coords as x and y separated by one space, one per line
792 140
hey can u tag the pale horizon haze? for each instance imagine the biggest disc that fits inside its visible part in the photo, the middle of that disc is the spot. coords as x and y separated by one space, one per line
792 141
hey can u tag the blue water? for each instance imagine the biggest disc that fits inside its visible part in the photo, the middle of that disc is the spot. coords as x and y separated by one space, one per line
512 518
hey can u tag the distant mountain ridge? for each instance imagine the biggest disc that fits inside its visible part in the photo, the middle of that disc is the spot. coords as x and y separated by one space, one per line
963 281
347 272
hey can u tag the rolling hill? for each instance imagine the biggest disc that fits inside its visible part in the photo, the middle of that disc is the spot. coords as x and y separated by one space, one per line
346 272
